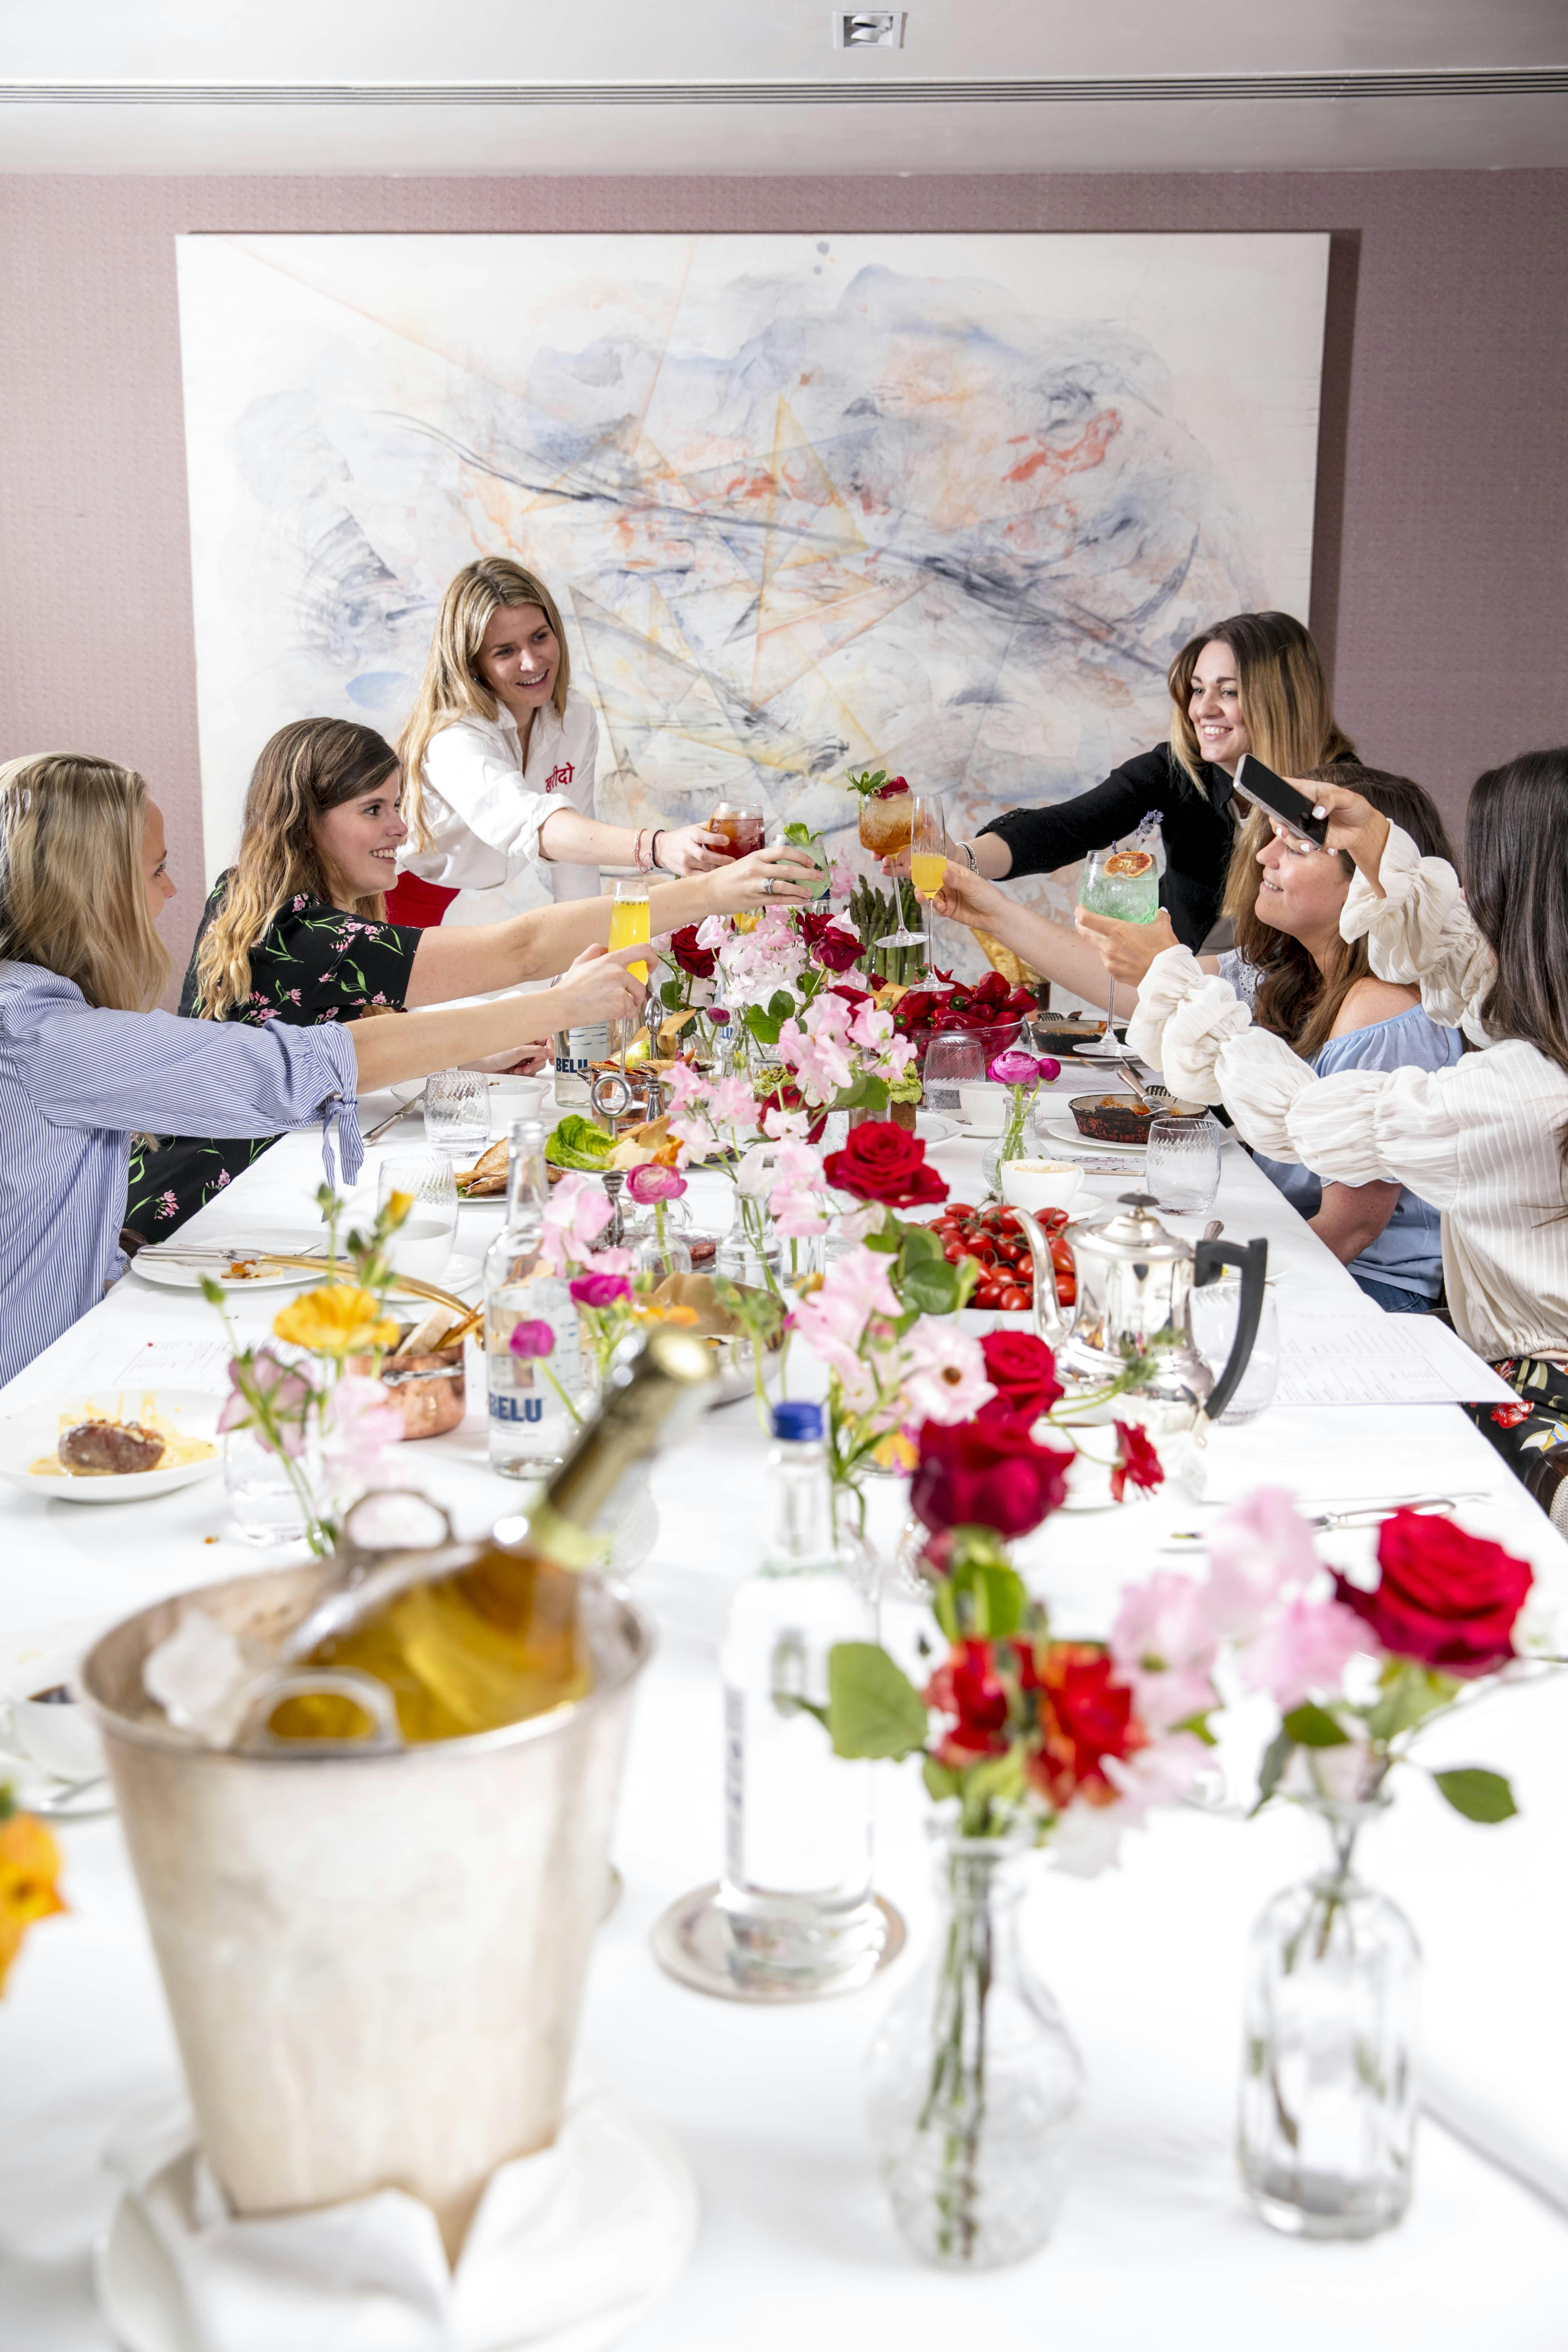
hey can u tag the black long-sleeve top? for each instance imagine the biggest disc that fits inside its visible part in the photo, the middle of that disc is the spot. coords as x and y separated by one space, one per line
1198 832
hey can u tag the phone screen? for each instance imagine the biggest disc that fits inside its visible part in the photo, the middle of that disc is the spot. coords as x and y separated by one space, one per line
1276 798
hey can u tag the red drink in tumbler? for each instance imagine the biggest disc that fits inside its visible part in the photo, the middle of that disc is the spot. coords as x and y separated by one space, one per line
744 829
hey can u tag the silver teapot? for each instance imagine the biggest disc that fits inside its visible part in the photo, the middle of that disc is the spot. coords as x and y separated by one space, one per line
1135 1280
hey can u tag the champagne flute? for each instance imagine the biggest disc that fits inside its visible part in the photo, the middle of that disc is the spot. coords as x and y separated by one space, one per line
928 853
1125 885
629 926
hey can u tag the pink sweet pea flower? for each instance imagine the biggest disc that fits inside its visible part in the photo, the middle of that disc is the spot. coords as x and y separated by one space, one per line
945 1379
362 1420
1164 1650
577 1211
779 1124
1302 1651
713 931
1261 1552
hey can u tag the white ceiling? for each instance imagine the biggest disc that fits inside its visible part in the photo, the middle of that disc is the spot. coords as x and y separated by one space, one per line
711 85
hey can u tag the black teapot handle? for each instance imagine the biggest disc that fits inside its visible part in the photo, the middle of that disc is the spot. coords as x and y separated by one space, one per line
1209 1261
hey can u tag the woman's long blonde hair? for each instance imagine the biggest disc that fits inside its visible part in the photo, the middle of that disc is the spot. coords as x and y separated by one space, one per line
451 686
308 767
1284 694
73 897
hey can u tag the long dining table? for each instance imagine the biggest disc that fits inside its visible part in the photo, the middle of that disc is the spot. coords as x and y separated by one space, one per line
1156 2243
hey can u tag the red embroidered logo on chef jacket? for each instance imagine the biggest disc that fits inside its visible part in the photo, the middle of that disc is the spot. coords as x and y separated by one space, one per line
559 778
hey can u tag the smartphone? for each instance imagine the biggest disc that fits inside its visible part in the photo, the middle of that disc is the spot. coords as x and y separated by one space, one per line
1276 798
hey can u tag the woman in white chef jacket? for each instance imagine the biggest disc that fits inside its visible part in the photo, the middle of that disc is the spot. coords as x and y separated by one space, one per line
498 757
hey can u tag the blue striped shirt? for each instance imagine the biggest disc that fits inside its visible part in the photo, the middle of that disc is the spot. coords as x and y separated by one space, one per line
77 1082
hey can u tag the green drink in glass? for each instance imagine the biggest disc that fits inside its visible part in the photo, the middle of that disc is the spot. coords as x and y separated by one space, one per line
1125 885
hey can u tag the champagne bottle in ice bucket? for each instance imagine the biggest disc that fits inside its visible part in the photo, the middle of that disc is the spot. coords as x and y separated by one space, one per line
499 1638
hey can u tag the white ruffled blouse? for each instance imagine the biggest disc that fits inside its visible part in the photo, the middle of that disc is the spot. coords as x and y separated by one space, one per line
1478 1140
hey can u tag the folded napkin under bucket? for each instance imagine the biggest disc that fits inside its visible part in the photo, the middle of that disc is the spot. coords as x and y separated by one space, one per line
373 1962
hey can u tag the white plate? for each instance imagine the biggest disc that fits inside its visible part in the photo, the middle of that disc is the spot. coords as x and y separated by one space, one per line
27 1437
169 1273
933 1127
1063 1130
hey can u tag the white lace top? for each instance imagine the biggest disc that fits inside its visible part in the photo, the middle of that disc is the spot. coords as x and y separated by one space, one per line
1477 1139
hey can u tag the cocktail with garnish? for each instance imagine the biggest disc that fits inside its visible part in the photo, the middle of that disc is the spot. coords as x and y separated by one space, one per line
744 829
1125 885
885 812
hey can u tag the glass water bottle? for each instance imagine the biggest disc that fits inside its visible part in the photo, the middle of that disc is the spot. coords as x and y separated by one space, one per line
533 1362
796 1888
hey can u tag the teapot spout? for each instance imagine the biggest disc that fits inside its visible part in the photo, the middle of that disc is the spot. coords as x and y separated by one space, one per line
1050 1324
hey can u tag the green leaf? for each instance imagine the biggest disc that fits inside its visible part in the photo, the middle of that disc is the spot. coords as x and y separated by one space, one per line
885 1238
1275 1756
939 1779
933 1289
799 835
781 1004
918 1242
670 993
873 1708
212 1291
1410 1694
1480 1796
981 1598
575 1142
764 1030
1314 1726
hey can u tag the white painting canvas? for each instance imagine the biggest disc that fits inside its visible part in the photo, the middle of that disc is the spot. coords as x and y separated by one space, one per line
945 505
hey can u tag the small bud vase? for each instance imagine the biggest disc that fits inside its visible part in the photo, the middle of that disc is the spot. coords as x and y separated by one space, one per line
1011 1144
974 2081
1328 2094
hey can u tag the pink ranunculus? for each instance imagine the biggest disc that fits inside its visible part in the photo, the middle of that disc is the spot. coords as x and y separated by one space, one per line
1014 1068
652 1182
1301 1652
1258 1554
718 1017
1165 1649
531 1340
599 1290
946 1379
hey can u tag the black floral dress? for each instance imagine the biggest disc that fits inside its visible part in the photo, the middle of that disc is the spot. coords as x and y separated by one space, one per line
316 963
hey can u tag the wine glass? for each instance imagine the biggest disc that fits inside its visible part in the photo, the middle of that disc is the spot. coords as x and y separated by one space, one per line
1125 885
928 853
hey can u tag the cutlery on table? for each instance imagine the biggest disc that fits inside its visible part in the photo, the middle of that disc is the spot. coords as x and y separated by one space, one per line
1359 1514
392 1117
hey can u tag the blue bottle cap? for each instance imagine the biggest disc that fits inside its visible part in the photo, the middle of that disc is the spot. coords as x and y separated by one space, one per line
798 1423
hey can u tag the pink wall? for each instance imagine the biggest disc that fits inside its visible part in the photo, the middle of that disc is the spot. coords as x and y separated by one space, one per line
1440 585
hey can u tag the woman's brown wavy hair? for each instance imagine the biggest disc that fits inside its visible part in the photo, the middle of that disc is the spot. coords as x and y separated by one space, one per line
1284 694
308 767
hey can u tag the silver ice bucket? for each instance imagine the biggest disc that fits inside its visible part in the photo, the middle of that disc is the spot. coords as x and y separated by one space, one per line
373 1961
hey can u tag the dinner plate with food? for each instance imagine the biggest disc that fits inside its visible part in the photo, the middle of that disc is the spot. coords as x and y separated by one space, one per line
248 1263
114 1445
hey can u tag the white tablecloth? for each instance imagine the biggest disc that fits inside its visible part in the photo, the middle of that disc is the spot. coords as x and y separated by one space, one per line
1156 2243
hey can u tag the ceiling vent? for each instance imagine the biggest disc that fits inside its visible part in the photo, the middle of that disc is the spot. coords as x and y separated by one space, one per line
869 28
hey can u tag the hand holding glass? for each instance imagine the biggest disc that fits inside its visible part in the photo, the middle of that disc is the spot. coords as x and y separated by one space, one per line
928 852
1125 883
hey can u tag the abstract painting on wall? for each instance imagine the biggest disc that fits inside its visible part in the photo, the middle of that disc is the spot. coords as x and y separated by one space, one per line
945 505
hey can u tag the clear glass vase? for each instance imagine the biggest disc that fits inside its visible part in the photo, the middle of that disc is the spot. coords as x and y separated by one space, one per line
1328 2096
974 2081
277 1499
749 1254
1011 1144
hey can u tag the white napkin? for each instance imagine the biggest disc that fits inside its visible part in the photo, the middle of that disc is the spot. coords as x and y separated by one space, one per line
604 2218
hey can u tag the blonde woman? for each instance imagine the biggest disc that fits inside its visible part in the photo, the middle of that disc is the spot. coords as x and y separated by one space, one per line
1251 683
499 756
84 1065
295 931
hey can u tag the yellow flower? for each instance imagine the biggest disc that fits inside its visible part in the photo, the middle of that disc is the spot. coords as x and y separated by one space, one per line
896 1453
337 1321
30 1866
659 1310
397 1207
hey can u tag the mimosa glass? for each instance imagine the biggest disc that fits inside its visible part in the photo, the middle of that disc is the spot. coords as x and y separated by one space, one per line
928 852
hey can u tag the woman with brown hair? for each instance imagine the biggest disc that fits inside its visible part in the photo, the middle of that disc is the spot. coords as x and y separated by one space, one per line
295 931
1251 683
500 755
84 1065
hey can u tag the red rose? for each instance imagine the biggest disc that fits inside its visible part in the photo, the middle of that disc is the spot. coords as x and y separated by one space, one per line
1023 1372
967 1687
1086 1715
986 1474
835 951
700 962
1446 1599
1137 1464
882 1161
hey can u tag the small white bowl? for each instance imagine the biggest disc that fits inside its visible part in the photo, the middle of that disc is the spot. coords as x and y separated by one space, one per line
1036 1184
56 1735
984 1105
